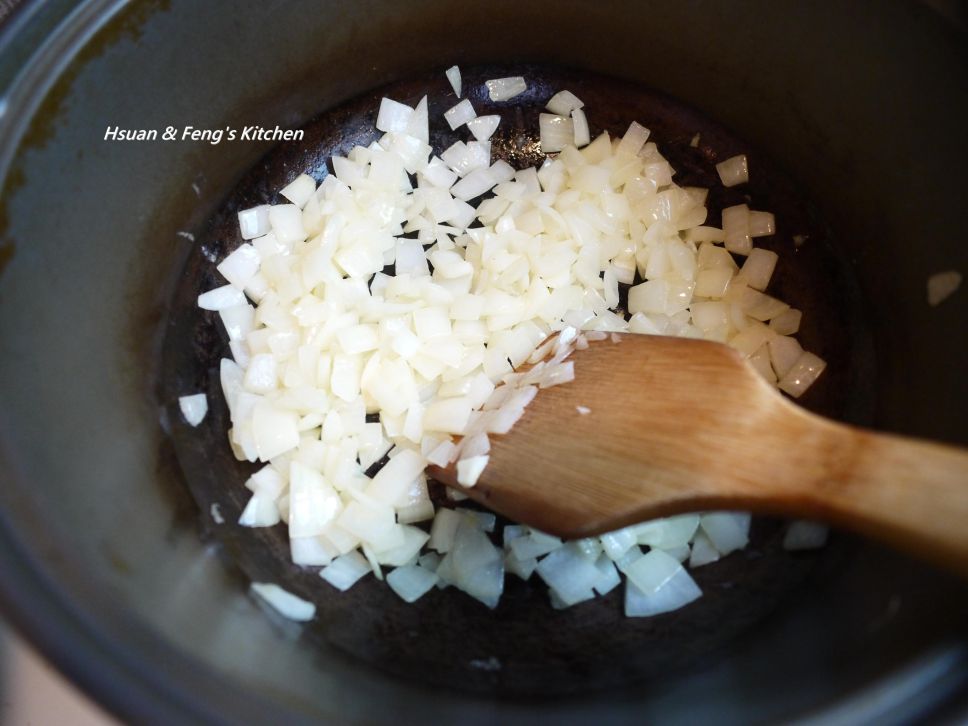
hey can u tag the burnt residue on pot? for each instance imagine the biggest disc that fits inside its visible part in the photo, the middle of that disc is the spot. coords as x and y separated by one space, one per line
523 646
6 254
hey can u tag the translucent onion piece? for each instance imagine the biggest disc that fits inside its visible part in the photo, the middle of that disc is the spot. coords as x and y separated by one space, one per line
733 171
285 603
346 570
483 127
453 76
503 89
460 114
677 591
802 375
193 408
580 125
411 582
556 132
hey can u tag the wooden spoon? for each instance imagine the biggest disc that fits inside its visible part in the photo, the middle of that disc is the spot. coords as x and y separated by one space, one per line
680 425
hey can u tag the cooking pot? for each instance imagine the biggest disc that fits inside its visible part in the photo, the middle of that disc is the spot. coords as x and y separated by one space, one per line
112 570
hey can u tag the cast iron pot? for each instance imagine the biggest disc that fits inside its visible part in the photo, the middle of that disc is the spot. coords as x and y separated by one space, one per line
104 563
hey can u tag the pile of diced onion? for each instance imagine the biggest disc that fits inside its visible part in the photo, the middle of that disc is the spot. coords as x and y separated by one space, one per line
336 364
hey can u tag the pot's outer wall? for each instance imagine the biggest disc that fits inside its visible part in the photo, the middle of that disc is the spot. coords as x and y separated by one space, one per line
101 560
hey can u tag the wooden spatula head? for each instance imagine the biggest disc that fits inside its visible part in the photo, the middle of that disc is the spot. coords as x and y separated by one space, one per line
665 418
676 425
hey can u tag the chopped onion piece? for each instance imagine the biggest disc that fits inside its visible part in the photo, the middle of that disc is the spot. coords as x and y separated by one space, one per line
569 573
418 127
503 89
193 408
733 171
393 116
633 141
254 222
453 76
240 266
259 512
784 353
580 124
677 591
758 268
703 552
736 229
801 376
300 190
786 323
608 578
470 470
563 103
727 531
346 570
556 132
285 603
444 529
221 297
460 114
311 551
483 127
239 321
762 224
651 571
411 582
473 185
534 544
407 551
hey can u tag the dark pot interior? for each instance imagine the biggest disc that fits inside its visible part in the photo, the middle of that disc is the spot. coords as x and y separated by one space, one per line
102 559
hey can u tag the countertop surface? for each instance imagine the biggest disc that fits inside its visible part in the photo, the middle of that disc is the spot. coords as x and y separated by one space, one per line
34 693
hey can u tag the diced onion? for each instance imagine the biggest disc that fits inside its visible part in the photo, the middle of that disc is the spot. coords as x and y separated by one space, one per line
580 125
563 103
411 582
493 268
193 408
761 224
556 132
677 591
460 114
453 77
801 376
393 116
222 297
503 89
758 268
469 470
254 222
483 127
287 604
300 190
727 531
346 570
733 171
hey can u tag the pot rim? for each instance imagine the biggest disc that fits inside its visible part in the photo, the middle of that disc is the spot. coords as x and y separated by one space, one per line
113 670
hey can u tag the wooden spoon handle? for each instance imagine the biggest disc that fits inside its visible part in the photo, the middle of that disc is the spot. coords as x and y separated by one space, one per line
913 494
